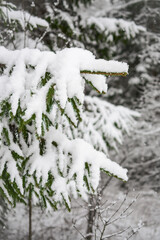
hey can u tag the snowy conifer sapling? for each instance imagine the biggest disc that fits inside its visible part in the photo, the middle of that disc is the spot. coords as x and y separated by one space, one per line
41 104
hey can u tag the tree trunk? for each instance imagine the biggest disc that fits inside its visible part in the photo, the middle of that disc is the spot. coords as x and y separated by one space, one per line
91 218
30 219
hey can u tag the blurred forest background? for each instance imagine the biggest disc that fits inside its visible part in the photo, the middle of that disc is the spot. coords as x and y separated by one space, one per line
124 30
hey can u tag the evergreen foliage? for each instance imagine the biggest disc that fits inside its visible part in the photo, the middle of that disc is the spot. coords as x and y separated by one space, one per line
41 104
43 121
17 26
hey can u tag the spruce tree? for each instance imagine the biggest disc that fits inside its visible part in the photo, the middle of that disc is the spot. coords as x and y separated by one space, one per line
41 101
143 81
42 127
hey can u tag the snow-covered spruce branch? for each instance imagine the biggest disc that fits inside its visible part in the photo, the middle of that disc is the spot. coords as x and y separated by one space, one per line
103 124
18 25
114 27
10 14
41 92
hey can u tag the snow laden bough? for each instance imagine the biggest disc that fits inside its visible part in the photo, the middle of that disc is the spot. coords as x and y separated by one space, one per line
41 103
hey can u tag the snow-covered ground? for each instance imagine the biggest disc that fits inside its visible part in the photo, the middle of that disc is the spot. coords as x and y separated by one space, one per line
59 225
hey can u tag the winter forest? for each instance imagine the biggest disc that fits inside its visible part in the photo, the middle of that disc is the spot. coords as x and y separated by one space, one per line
79 128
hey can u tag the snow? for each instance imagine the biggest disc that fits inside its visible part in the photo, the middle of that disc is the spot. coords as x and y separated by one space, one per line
111 66
66 17
60 222
112 26
23 18
108 125
65 154
80 152
30 43
134 81
65 66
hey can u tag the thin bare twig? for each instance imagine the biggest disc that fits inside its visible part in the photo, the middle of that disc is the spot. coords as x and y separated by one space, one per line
79 232
117 209
134 232
114 234
41 38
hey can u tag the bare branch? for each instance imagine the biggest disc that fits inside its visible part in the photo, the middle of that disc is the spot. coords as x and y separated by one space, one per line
114 234
134 232
41 38
117 209
79 232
